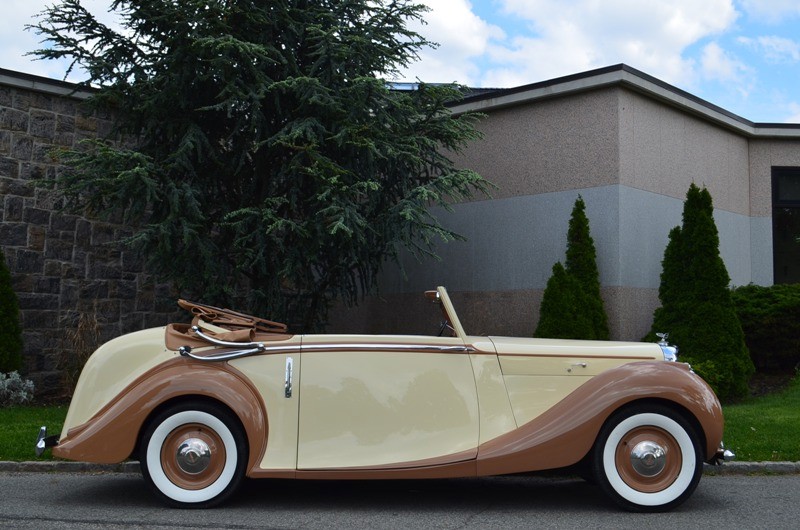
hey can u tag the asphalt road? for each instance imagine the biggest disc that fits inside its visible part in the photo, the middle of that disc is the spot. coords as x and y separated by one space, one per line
122 500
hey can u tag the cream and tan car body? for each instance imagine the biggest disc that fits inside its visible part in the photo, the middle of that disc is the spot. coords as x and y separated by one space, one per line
359 406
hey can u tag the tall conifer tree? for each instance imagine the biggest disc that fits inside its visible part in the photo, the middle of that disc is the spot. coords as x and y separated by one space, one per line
697 310
273 157
572 307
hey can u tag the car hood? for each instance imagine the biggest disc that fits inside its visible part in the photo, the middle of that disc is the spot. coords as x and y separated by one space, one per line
576 348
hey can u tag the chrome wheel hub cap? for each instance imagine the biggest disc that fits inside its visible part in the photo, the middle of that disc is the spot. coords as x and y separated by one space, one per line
648 459
193 456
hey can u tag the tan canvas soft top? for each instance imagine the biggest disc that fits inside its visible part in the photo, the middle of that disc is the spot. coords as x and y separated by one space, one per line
222 324
229 319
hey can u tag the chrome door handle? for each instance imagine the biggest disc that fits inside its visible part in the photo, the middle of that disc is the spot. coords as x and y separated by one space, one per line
287 386
582 365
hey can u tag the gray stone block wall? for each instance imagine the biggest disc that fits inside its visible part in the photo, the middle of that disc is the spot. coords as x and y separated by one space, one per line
63 265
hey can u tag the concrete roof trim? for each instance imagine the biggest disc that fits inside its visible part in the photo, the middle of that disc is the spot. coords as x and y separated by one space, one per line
632 79
44 84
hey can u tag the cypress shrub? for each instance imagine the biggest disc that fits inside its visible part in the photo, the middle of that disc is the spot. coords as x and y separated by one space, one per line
770 318
10 331
572 307
581 264
697 310
558 316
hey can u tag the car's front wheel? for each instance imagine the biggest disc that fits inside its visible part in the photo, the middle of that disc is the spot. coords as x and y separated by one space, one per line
647 458
193 455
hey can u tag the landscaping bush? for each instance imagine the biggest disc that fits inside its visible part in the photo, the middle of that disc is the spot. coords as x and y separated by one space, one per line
697 310
10 331
572 307
558 317
14 390
770 318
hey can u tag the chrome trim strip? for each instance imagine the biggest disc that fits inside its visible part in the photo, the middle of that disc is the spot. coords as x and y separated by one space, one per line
434 348
186 351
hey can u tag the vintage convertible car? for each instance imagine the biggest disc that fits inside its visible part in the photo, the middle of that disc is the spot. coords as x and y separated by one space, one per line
203 405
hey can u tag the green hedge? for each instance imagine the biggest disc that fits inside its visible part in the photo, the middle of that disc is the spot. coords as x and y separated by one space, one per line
770 318
10 331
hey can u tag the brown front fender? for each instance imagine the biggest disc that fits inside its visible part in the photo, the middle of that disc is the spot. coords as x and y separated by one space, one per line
110 436
564 434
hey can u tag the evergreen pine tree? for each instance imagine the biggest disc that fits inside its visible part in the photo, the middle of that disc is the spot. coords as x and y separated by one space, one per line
10 331
697 309
571 306
581 264
273 158
559 318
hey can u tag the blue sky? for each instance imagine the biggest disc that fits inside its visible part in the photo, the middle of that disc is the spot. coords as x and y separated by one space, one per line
743 55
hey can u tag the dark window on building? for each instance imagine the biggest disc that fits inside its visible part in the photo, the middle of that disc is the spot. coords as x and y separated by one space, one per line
786 224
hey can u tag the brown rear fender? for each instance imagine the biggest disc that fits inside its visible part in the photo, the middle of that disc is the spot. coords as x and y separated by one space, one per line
110 436
564 434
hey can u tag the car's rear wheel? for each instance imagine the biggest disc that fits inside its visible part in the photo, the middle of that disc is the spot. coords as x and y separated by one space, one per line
647 458
193 455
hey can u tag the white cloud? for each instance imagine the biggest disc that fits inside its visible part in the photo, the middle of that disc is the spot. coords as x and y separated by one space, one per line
775 49
719 65
16 42
771 11
794 113
559 37
582 34
462 36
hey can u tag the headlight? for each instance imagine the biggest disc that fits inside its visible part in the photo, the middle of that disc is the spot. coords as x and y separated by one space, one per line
670 352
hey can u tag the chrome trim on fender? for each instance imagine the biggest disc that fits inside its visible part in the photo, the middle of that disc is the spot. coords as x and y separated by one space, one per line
186 351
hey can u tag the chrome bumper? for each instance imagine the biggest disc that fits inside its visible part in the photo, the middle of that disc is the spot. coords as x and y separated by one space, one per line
43 441
722 455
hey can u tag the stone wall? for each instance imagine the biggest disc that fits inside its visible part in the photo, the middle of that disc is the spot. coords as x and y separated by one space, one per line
62 266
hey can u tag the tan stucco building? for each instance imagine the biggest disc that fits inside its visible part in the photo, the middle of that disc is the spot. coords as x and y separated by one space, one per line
630 145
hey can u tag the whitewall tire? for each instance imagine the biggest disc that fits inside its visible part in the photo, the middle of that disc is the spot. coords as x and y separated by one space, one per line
647 458
193 455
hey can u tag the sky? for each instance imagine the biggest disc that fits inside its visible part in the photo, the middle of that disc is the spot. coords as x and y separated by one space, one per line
742 55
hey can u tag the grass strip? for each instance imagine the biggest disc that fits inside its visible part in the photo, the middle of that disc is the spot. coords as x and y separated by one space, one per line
766 428
20 426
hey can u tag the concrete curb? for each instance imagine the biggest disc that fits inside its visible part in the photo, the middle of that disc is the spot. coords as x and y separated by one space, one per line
61 466
51 466
754 468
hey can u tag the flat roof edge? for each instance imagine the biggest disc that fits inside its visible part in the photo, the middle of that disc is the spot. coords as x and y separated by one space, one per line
43 84
632 79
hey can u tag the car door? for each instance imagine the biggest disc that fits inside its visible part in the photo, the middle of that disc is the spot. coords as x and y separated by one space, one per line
385 402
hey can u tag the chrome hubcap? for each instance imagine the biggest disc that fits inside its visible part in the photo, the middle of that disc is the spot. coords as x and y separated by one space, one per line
193 456
648 458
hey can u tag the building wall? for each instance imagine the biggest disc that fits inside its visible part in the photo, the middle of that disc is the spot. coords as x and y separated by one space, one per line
764 154
549 147
632 159
62 266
